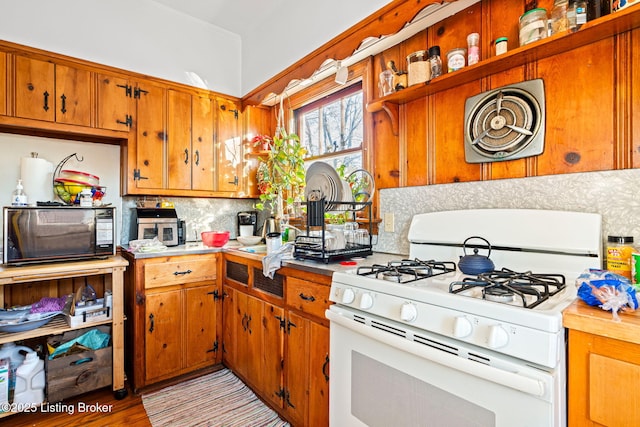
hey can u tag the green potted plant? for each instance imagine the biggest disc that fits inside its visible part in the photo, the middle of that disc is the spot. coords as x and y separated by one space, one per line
281 173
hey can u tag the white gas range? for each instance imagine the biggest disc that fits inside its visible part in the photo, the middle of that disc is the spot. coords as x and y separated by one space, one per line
489 349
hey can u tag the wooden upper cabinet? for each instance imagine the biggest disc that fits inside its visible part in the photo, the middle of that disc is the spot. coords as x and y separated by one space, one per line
229 146
52 92
3 83
114 97
203 160
179 152
190 146
149 123
256 121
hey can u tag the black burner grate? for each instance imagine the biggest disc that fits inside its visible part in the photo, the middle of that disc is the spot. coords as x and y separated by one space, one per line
507 285
406 270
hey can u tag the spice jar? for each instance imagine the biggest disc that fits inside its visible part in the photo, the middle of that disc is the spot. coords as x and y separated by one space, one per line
456 59
501 45
436 61
419 67
473 48
619 250
533 26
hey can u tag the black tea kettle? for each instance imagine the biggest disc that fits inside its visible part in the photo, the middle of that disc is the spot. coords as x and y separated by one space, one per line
475 264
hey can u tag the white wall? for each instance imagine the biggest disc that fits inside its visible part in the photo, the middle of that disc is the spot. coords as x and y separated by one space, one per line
284 38
98 159
141 36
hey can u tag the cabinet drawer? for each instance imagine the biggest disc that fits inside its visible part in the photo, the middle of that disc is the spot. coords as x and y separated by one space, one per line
307 296
179 270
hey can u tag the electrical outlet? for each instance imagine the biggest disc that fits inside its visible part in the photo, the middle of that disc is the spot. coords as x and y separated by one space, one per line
389 223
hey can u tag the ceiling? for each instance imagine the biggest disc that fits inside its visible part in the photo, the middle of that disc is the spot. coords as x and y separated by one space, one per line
238 16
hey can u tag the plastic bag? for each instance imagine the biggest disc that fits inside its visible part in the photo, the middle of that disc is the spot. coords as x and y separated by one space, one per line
607 290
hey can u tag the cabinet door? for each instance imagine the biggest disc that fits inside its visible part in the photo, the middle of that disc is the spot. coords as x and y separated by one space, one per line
179 153
229 146
201 336
203 160
230 327
272 352
252 355
318 374
601 371
150 136
34 89
73 96
163 346
113 103
3 83
297 368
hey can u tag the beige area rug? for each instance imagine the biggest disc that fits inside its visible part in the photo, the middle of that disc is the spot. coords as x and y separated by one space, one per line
217 399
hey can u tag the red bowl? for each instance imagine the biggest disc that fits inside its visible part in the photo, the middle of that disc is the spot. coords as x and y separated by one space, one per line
215 239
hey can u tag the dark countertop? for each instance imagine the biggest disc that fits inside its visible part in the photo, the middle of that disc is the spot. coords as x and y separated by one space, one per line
234 247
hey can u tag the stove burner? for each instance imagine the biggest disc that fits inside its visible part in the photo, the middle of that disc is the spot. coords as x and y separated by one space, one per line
406 271
497 294
392 276
533 289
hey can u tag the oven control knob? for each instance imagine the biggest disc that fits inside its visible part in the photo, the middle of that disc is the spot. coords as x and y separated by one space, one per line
366 301
498 336
462 327
348 296
408 312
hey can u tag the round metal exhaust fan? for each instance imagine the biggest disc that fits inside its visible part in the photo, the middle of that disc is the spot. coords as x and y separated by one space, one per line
505 123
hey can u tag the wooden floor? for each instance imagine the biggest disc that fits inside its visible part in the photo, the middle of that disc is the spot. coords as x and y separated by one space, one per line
86 412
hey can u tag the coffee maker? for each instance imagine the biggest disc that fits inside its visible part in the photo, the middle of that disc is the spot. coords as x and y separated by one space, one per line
247 223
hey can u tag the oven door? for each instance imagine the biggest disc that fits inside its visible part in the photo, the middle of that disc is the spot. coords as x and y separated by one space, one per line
384 373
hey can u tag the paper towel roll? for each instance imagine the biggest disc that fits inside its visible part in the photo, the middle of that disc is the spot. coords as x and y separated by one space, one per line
36 175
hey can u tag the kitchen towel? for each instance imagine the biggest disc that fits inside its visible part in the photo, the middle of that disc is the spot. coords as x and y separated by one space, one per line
272 262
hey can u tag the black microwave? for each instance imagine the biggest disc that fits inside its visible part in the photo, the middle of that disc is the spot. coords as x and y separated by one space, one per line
60 233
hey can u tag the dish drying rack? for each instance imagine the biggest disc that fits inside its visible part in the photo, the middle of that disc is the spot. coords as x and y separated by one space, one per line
314 247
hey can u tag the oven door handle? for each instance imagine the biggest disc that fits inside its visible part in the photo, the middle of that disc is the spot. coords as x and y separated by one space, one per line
507 379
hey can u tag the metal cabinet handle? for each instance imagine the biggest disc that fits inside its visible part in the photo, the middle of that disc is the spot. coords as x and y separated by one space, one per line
152 326
307 298
244 322
186 156
63 99
325 367
197 156
46 101
182 273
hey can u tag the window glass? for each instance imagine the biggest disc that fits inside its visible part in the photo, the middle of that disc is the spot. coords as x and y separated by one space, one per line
332 129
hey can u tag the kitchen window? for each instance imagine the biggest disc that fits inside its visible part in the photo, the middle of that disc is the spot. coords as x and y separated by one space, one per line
332 129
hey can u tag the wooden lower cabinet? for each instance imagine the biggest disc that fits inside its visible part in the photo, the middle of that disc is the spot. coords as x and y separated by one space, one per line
279 344
173 308
254 351
603 367
307 372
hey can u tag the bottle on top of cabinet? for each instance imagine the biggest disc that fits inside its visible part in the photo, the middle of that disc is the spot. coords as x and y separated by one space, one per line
435 61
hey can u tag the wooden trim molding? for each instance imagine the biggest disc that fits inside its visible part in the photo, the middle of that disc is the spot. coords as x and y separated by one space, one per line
388 20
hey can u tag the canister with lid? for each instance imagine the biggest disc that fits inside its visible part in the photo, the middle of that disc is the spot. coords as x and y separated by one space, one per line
619 250
501 45
419 67
456 59
533 26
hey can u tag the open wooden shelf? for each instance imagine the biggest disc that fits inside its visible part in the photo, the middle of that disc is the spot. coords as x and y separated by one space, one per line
591 32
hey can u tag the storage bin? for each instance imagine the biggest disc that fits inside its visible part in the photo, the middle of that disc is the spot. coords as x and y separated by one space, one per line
80 372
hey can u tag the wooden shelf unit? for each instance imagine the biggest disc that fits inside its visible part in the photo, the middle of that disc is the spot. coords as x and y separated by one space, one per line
591 32
113 268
